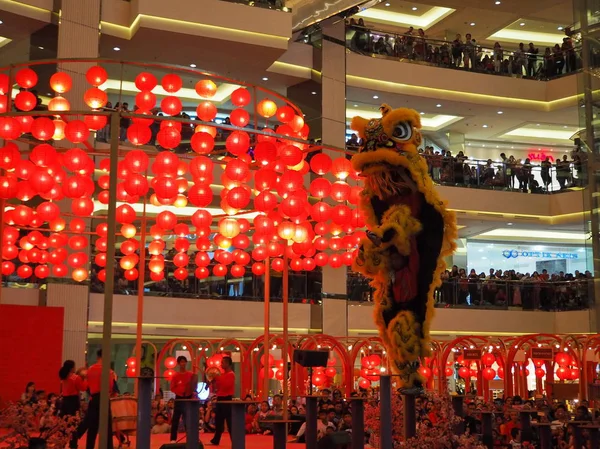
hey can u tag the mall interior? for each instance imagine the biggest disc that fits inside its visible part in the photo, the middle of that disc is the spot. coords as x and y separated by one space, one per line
152 154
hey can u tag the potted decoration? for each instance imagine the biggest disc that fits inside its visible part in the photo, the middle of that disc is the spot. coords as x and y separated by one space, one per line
35 426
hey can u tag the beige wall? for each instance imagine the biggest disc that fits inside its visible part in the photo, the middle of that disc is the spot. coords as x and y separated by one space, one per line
461 321
21 296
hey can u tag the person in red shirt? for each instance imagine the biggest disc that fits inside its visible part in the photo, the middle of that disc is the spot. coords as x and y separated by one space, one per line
224 387
91 422
181 385
71 385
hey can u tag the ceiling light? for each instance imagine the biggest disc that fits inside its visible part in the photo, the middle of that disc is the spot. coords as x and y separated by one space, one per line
116 49
355 105
414 8
565 126
265 78
387 4
560 28
498 2
313 92
472 24
485 126
438 105
500 112
1 22
375 97
422 113
522 24
193 66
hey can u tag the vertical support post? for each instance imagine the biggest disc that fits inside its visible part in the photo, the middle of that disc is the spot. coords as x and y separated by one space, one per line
545 432
144 412
140 298
284 350
192 417
526 433
486 429
385 412
358 423
410 417
279 435
457 405
311 422
267 318
109 286
238 432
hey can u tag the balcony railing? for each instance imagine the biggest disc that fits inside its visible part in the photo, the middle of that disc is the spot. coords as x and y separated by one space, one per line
541 64
278 5
478 293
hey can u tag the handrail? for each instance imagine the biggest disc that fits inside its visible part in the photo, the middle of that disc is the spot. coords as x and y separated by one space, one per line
471 56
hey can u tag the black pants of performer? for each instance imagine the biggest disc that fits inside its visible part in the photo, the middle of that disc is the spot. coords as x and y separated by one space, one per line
223 414
178 412
91 424
69 406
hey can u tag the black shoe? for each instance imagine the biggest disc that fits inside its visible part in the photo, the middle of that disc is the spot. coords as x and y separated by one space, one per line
212 443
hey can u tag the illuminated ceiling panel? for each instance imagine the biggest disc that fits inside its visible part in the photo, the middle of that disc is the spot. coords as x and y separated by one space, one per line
223 91
540 33
543 132
429 122
425 20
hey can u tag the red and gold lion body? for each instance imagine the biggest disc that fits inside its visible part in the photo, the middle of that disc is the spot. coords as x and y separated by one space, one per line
410 234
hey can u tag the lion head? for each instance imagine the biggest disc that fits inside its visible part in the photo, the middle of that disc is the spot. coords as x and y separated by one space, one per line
390 141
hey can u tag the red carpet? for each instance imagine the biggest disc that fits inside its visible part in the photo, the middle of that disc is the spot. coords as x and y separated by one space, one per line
252 441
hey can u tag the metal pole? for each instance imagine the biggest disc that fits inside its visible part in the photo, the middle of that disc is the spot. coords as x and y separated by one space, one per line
358 423
140 298
385 412
410 418
311 422
284 350
192 418
144 412
110 282
267 318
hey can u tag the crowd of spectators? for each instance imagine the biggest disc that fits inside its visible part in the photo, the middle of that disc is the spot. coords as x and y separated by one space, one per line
508 288
524 61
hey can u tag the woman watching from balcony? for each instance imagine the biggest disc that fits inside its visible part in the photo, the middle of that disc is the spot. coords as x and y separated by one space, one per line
457 49
559 59
498 56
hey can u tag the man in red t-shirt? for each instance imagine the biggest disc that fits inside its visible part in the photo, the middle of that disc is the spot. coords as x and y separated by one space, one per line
224 387
181 385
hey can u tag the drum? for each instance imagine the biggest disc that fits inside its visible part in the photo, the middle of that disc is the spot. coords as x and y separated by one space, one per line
124 413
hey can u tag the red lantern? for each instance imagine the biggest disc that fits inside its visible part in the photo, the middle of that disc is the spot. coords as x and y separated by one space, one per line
448 371
237 143
264 179
239 117
59 104
425 372
563 359
61 82
26 101
171 105
363 383
139 134
95 122
26 78
166 220
341 168
489 373
539 373
95 98
166 163
285 114
169 138
24 271
42 128
206 111
238 197
240 97
10 128
171 83
206 88
464 372
237 271
145 100
96 76
488 359
237 170
145 81
266 108
82 207
202 143
77 131
219 270
291 155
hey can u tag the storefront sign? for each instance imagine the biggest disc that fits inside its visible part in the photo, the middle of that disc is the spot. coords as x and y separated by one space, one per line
540 156
472 354
513 254
542 353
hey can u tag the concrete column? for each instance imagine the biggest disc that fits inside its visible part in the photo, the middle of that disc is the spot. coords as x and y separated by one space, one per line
74 300
78 37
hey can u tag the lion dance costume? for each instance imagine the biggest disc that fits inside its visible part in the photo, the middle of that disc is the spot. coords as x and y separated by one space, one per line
410 233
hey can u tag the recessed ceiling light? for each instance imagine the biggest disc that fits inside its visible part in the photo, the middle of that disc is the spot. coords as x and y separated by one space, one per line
1 22
422 113
355 105
560 28
498 2
387 4
116 49
41 48
375 97
537 124
193 66
265 78
414 8
438 105
500 112
522 24
472 24
313 92
509 224
483 145
565 126
485 126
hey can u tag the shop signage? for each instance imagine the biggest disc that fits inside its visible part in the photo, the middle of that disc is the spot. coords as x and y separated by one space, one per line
472 354
540 156
542 353
513 254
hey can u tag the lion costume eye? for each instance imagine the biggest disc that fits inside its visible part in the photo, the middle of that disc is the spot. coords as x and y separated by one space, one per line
402 132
